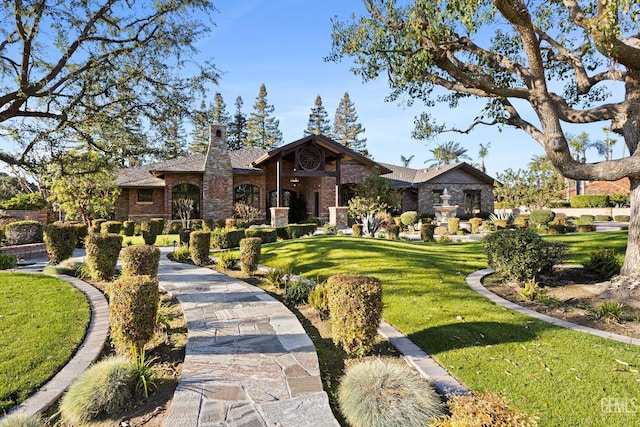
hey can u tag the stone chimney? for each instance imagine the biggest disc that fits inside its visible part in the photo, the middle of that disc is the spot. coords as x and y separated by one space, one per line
217 182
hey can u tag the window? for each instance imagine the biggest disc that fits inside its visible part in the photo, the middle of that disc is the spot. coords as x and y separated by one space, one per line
437 197
145 196
248 194
472 201
186 191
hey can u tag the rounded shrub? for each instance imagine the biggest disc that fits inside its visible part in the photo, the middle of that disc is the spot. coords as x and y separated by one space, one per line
133 303
355 304
520 255
102 254
393 232
149 232
521 222
141 260
103 389
427 231
60 241
23 232
409 218
542 216
250 248
356 230
199 244
7 261
114 227
383 392
129 228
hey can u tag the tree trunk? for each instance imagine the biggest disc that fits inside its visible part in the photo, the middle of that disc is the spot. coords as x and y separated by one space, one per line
631 265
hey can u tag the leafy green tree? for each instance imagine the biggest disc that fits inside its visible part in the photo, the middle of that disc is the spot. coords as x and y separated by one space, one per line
318 120
534 187
449 152
376 187
263 130
555 60
346 129
81 191
81 71
10 185
237 133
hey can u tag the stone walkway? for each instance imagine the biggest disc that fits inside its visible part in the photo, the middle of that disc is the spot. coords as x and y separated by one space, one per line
248 360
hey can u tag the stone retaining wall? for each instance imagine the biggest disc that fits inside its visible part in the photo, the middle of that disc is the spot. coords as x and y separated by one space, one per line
34 250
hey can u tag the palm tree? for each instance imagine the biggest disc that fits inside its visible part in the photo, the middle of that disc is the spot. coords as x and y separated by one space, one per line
447 153
605 148
484 150
406 160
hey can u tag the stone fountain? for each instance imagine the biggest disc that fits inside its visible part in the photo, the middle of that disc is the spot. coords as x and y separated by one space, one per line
445 211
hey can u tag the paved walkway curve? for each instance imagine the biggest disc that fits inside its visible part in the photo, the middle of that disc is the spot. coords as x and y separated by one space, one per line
248 360
474 280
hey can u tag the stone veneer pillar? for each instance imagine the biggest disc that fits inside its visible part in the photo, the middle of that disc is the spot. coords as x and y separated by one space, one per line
217 181
279 217
338 216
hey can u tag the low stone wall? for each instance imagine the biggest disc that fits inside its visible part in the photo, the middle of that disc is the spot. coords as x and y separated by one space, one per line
34 250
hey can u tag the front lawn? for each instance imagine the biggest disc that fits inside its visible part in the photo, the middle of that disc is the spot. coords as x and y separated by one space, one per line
562 375
42 321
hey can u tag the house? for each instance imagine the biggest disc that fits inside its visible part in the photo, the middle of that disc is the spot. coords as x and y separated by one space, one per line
313 176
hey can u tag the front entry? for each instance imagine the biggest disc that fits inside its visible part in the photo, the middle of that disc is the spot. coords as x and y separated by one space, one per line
293 201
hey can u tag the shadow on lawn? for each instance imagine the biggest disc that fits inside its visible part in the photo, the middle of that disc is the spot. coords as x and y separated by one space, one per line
454 336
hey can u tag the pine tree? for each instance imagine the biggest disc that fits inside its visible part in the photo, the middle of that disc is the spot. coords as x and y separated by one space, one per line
346 127
175 138
237 133
318 120
219 110
200 133
262 128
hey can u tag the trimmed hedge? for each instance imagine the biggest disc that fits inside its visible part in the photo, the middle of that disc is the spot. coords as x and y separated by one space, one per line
453 225
268 235
129 228
114 227
409 218
23 232
590 201
82 231
298 230
133 304
622 218
96 225
149 232
157 224
102 254
141 260
355 307
60 241
250 248
222 238
475 225
393 232
602 218
427 231
542 216
199 244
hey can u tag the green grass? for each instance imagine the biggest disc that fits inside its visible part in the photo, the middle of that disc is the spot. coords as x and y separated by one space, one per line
559 374
42 321
583 244
161 240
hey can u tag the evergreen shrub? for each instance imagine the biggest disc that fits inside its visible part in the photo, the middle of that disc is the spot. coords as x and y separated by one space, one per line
355 304
542 216
619 200
141 260
297 293
133 303
604 262
199 244
427 231
149 232
82 230
96 225
622 218
282 233
586 219
250 248
227 260
222 238
129 228
475 225
268 235
602 218
298 230
158 225
172 227
521 222
590 201
102 254
387 392
7 261
393 232
103 389
356 230
23 232
453 225
114 227
319 299
60 241
520 255
409 218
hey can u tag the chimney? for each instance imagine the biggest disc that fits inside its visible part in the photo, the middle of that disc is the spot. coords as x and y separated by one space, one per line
217 181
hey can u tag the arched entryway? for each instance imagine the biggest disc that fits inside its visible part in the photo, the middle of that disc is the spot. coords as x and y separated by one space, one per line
185 191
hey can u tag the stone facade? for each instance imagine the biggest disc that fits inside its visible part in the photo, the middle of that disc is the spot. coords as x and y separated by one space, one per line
217 181
457 193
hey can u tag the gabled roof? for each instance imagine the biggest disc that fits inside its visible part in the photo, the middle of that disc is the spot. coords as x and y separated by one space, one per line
409 177
327 143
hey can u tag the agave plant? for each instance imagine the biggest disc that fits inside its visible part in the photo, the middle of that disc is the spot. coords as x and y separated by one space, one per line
370 224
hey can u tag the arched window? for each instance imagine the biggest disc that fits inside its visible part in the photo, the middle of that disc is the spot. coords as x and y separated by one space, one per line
186 191
248 194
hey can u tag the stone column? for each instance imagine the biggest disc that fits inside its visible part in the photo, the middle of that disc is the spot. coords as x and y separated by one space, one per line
279 217
217 180
338 215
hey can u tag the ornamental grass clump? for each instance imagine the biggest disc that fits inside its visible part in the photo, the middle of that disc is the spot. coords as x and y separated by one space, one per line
133 305
318 299
102 255
199 244
60 241
383 393
603 262
141 260
23 421
103 389
250 248
355 304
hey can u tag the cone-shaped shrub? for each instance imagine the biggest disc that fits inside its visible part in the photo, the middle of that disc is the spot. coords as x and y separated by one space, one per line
60 241
133 304
114 227
157 224
250 248
140 260
382 393
149 232
355 307
102 254
103 389
23 232
129 228
199 244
